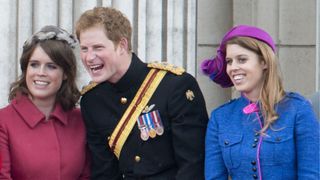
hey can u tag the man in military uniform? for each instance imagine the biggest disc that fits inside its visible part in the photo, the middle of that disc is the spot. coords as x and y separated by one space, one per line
144 121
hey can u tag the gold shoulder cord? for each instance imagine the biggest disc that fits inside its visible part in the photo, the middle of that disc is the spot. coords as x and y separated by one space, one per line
168 67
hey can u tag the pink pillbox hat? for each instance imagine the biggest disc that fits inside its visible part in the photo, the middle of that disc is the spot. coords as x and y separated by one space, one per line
216 68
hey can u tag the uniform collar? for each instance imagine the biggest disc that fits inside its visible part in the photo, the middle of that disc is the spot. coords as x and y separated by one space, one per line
134 75
32 115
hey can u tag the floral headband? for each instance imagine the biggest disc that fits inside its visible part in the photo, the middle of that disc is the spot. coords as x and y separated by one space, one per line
52 33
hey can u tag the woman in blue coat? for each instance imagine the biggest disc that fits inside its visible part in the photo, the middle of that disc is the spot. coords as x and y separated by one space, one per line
266 133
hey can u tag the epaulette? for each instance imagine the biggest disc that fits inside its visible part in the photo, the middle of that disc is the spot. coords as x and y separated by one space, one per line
88 87
226 104
167 67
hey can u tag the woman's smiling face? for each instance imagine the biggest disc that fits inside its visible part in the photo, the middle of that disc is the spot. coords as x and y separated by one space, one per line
43 76
245 70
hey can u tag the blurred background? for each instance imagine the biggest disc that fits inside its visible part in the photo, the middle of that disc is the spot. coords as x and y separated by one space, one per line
182 32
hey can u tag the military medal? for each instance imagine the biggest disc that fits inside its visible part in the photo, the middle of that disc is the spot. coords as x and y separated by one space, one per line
157 122
143 129
159 130
144 134
150 125
152 131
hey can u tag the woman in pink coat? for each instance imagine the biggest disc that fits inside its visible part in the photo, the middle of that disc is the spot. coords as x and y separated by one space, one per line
42 135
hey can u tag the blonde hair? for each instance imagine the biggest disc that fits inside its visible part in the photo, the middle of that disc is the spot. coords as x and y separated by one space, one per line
272 90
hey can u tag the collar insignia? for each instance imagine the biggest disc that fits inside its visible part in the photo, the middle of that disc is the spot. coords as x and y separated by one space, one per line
190 95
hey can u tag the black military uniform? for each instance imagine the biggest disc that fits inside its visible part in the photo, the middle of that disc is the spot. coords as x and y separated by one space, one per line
176 154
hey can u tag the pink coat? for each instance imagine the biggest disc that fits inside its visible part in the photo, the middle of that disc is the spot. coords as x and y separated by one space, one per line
32 148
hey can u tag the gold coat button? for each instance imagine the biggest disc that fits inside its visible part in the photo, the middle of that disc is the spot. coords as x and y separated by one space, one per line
123 100
137 158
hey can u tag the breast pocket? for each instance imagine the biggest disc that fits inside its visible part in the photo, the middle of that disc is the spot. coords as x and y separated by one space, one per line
231 148
279 146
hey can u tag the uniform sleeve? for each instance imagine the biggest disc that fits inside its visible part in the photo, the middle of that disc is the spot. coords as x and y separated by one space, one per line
5 172
214 165
189 119
104 164
307 143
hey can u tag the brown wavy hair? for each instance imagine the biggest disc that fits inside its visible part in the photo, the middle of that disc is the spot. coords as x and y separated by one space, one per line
272 90
61 54
116 24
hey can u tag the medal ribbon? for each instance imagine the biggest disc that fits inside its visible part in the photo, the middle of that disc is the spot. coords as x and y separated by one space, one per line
149 121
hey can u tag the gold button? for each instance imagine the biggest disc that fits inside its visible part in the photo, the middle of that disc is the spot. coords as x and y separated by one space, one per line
137 158
123 100
109 138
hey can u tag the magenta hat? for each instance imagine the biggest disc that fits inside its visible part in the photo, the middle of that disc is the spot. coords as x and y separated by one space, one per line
216 68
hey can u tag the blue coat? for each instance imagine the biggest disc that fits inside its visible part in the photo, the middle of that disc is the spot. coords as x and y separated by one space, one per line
315 98
289 150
